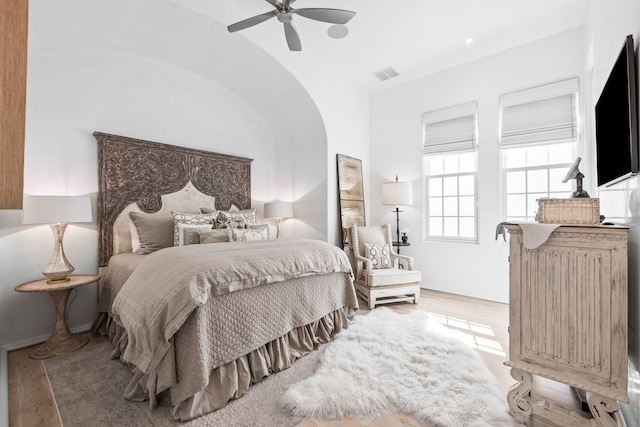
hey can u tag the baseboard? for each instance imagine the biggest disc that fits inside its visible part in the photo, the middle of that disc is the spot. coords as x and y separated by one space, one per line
4 388
41 338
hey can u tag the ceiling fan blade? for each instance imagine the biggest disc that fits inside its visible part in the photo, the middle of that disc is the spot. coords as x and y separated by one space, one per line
250 22
332 16
293 39
273 3
286 4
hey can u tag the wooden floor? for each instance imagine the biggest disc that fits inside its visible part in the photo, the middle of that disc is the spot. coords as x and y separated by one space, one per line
484 322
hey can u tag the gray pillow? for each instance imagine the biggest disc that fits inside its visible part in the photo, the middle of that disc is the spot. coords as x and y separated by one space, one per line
213 236
188 233
155 231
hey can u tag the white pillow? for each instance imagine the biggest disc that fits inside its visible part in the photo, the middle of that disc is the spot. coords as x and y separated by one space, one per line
378 254
247 234
238 219
135 239
189 218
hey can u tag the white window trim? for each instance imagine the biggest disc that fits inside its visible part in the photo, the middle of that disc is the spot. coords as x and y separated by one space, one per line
543 91
426 237
452 147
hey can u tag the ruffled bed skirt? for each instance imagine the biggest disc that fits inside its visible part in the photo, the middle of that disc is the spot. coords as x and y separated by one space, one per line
233 379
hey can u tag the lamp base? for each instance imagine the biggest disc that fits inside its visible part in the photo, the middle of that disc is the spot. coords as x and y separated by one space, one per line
54 281
59 269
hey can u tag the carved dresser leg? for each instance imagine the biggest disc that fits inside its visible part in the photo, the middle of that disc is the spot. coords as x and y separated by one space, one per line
519 395
601 408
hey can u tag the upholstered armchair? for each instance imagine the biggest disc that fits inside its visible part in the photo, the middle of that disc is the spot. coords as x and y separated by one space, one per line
379 278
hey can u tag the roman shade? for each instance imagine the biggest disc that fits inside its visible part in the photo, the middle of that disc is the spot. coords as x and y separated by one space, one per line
450 129
544 114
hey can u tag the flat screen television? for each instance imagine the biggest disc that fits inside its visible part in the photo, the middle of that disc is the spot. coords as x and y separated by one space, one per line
617 146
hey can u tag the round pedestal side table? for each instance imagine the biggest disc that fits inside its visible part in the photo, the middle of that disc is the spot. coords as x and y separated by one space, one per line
61 340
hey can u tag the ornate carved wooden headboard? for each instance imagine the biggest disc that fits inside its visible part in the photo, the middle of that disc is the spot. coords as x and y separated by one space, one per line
141 172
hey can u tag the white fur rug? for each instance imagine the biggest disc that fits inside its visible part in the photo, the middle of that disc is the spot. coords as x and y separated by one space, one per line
387 362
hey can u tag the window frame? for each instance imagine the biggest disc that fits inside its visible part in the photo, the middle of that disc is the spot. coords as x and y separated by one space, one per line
572 135
546 167
456 147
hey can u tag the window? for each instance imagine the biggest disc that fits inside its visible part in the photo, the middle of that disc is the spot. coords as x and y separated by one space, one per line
450 167
538 143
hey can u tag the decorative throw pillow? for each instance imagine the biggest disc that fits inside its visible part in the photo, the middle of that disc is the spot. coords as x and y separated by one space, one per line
378 254
213 236
246 234
231 224
189 218
188 233
262 227
155 231
246 216
205 210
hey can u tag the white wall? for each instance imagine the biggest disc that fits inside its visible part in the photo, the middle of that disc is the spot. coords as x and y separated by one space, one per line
477 270
92 66
347 127
604 36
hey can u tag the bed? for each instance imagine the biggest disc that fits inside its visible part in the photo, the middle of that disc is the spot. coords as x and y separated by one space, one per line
201 322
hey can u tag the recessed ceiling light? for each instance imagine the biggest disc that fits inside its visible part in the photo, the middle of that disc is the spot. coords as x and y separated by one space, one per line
338 31
468 41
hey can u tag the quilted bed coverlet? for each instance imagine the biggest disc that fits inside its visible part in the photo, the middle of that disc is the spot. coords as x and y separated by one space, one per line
157 299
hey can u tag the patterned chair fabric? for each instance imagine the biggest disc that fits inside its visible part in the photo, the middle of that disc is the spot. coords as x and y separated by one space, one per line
380 277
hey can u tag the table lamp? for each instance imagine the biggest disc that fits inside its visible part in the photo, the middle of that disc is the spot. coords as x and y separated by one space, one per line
58 212
278 210
397 193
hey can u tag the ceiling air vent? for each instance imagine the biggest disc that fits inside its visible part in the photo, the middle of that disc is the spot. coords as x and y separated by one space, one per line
386 73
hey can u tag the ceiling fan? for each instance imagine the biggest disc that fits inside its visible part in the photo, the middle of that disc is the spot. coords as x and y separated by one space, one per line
284 12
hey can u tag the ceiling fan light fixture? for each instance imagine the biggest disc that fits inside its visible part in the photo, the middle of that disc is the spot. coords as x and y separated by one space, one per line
284 14
338 31
284 17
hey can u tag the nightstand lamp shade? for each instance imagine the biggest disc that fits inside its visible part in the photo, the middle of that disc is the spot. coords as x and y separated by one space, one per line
278 210
57 211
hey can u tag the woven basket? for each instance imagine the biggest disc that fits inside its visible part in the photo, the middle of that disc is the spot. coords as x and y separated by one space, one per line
568 211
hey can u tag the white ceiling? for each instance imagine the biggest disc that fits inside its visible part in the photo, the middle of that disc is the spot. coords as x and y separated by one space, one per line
416 37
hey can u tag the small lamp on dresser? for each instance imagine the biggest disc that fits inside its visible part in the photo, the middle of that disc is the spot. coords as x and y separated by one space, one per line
58 212
278 210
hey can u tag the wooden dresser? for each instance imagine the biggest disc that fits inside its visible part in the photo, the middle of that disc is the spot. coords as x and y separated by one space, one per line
568 320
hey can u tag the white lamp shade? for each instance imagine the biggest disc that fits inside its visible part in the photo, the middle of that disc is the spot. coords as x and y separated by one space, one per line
278 210
56 209
397 193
